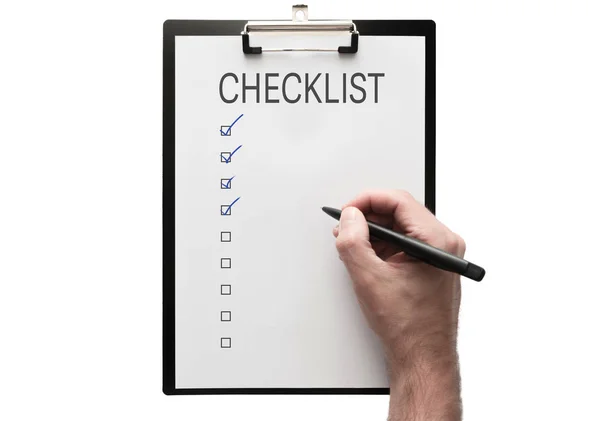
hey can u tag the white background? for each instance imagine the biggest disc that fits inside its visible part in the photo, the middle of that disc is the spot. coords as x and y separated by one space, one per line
80 234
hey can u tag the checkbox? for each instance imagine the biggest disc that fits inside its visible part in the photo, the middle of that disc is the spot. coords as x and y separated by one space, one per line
225 237
225 289
225 342
225 263
226 183
226 157
226 316
225 130
225 210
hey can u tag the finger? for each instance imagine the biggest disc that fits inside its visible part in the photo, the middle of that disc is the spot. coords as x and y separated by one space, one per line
410 216
386 221
455 244
354 247
379 248
398 203
382 249
385 251
400 258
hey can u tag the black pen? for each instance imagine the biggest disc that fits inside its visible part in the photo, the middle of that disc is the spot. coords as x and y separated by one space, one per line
419 250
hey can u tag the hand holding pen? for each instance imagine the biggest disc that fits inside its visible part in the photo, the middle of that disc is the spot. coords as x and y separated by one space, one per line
411 305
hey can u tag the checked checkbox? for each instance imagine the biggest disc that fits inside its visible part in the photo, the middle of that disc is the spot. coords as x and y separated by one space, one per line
226 209
226 130
227 156
226 183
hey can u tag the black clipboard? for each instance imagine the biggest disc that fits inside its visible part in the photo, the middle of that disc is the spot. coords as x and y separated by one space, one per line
237 28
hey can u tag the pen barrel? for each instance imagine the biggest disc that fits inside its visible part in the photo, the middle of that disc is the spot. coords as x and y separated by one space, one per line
422 251
426 253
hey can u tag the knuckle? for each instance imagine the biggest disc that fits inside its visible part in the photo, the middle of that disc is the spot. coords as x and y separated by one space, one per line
430 235
455 243
462 244
404 196
451 243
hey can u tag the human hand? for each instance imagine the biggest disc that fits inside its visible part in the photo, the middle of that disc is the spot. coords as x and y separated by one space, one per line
412 306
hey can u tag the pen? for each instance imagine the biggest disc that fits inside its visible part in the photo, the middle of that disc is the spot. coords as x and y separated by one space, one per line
419 250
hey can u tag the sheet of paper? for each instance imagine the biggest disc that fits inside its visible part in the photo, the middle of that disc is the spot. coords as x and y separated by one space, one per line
262 300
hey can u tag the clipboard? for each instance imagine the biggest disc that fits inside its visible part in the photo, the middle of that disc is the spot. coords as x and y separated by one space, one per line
356 32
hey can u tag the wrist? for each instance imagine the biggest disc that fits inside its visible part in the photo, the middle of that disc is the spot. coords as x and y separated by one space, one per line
432 350
425 383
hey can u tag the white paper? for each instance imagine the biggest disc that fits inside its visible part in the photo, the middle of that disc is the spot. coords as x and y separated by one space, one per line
294 319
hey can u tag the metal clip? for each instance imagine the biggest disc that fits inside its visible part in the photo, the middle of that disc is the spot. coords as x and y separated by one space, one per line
300 24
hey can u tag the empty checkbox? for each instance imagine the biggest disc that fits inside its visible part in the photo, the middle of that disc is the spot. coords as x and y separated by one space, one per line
226 316
225 342
225 237
225 289
225 263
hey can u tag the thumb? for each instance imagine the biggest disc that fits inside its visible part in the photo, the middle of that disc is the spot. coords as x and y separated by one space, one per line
353 243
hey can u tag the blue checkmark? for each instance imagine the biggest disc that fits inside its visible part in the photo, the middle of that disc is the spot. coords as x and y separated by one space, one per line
226 182
227 208
228 131
226 156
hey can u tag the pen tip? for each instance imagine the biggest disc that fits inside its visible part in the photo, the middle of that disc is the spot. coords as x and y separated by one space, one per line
334 213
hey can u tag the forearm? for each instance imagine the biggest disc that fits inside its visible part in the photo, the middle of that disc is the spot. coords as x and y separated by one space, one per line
424 389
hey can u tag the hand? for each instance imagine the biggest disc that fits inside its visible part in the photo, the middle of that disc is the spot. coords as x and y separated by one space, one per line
411 306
